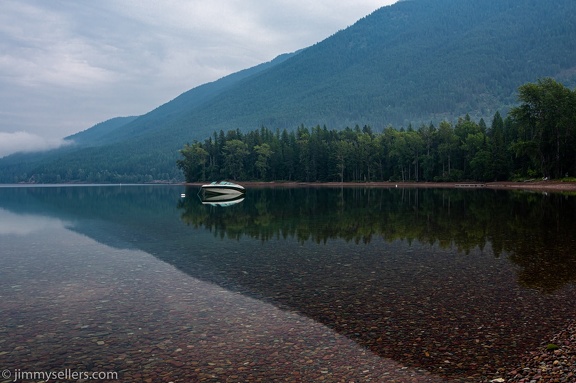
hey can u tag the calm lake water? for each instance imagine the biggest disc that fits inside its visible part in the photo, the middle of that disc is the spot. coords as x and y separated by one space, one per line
289 284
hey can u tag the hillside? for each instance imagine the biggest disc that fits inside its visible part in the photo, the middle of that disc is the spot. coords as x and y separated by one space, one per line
417 61
99 132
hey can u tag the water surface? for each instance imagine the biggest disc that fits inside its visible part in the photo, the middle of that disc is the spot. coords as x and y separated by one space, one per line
299 284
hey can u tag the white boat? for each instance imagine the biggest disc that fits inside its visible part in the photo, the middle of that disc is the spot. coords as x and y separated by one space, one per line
222 188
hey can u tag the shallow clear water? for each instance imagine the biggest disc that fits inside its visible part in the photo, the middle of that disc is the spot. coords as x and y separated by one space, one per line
290 284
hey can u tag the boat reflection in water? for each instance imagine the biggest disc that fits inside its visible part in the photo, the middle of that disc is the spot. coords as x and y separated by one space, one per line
222 200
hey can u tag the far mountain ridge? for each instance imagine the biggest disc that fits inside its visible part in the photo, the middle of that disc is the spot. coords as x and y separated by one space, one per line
173 109
414 62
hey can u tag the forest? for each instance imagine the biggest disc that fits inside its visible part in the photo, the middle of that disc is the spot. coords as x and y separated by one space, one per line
536 140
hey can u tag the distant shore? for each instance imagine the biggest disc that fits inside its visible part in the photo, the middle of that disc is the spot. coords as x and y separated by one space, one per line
550 186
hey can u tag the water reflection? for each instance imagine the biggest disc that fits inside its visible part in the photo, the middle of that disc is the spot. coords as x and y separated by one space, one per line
535 230
222 200
69 302
448 280
420 276
24 224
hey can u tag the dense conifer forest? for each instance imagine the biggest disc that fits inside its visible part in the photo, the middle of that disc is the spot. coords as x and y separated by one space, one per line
537 140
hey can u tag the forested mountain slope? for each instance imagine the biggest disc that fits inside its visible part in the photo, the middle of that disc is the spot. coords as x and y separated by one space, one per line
99 132
417 61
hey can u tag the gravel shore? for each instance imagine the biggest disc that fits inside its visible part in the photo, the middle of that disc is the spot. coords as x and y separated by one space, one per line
554 362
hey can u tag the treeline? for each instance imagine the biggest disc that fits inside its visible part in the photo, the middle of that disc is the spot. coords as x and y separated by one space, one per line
93 165
536 140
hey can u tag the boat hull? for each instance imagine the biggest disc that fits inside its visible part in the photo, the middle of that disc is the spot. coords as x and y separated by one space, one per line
227 189
222 191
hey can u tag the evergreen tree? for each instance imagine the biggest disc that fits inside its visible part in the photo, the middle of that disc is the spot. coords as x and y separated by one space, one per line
547 116
263 162
500 167
236 152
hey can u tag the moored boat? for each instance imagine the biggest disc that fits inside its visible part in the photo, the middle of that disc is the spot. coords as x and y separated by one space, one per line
222 188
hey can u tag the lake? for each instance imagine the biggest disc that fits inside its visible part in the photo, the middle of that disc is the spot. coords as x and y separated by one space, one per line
142 284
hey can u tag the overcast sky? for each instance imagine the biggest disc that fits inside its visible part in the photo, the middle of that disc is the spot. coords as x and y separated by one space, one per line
68 65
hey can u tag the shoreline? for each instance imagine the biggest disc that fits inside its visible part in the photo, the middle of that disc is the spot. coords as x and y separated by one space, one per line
544 186
553 361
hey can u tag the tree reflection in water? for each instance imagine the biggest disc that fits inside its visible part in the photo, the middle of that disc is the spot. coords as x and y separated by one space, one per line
535 230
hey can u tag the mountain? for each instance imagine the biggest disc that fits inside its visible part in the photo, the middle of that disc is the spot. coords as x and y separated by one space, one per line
100 131
415 62
98 154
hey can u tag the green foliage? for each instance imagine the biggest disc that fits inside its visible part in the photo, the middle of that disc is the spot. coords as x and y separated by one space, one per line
194 163
541 136
263 162
547 125
235 154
